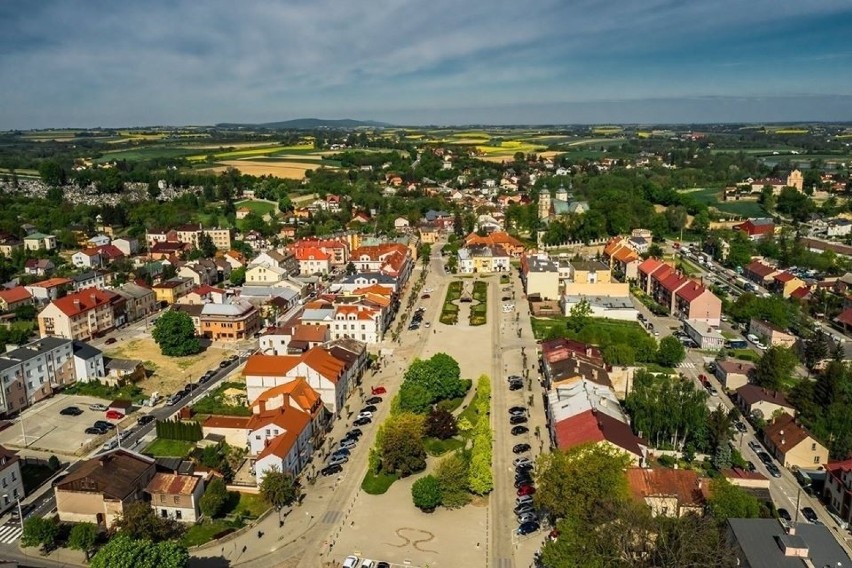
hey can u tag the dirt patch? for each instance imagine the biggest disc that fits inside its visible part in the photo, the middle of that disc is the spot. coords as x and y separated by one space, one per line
167 374
288 170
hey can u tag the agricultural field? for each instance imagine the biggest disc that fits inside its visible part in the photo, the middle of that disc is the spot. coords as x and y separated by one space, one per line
289 170
138 153
253 151
258 207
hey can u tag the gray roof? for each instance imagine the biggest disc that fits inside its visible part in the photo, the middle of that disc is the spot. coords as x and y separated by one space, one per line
236 308
35 348
608 302
589 265
318 314
377 277
762 221
85 351
89 275
541 265
268 292
127 365
760 540
133 291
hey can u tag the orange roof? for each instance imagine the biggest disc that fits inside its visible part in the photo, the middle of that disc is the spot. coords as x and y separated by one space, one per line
361 312
311 253
235 422
83 301
625 254
311 333
383 301
51 283
658 482
16 294
270 365
374 289
298 391
284 417
280 445
324 363
173 484
495 238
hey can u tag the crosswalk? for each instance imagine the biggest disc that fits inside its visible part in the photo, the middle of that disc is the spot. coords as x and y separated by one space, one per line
10 532
686 365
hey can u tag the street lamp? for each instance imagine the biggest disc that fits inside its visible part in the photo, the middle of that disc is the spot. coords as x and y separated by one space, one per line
20 513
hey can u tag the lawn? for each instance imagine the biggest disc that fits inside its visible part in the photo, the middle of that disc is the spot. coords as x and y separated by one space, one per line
248 505
162 447
206 530
744 354
106 392
259 207
377 484
436 447
214 403
450 311
34 475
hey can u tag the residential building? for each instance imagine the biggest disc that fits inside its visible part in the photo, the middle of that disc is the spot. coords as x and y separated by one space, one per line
9 244
483 260
393 259
313 261
82 315
838 488
785 284
733 373
429 233
13 298
757 229
792 444
695 303
171 290
189 234
88 362
265 275
705 336
39 241
297 395
233 429
682 296
352 282
97 490
288 451
176 496
91 279
11 480
231 321
540 276
127 246
762 403
357 321
669 492
771 334
591 278
87 258
759 273
39 267
140 301
510 244
766 543
623 259
293 339
50 289
168 250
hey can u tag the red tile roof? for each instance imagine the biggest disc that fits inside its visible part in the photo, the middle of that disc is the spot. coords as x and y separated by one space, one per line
311 253
51 283
650 265
751 394
297 391
674 281
845 317
785 433
16 294
759 269
310 333
592 426
110 252
664 482
783 277
495 238
173 484
324 363
800 293
691 291
284 417
83 301
270 365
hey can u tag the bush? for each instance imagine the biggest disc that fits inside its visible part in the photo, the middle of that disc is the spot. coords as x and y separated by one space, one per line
452 475
214 498
441 424
426 493
178 430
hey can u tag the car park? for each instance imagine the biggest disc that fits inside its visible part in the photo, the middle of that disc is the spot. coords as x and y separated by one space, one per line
810 514
337 460
331 470
365 414
518 420
362 421
71 411
529 517
374 400
98 407
518 430
527 528
520 448
104 424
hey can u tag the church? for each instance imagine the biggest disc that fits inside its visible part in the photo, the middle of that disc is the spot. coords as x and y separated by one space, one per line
560 204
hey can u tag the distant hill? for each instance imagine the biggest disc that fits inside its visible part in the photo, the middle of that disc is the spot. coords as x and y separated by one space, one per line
309 124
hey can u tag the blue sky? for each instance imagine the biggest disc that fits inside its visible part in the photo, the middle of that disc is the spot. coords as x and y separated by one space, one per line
84 63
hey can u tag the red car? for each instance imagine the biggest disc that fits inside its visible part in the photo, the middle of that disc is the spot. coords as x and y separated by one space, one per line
378 390
114 415
525 490
703 379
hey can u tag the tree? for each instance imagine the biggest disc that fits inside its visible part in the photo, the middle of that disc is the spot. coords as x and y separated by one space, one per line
452 475
39 531
815 350
206 245
400 442
83 536
284 204
720 425
580 481
175 334
727 501
670 352
279 488
655 251
414 397
722 457
123 551
52 173
54 463
619 354
579 316
775 367
426 493
441 424
214 498
439 375
238 276
139 521
676 216
350 269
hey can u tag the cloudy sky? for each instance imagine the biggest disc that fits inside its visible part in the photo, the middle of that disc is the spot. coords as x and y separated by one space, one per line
83 63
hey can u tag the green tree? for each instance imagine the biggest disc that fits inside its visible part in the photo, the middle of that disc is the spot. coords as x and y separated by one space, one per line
670 352
39 531
54 463
727 501
138 521
351 269
676 216
775 367
52 173
400 442
619 354
175 334
414 397
214 498
83 536
722 457
206 245
238 276
579 316
815 350
123 551
279 488
720 426
452 475
426 493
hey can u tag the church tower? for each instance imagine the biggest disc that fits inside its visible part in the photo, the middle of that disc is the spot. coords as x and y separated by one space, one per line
562 193
544 204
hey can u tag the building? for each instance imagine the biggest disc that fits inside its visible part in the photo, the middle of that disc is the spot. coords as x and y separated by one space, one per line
785 284
765 543
48 290
9 244
234 429
761 403
97 490
792 444
14 298
140 301
171 290
91 279
623 259
481 259
313 261
510 244
757 229
611 307
696 303
82 315
189 234
356 321
39 241
669 492
838 488
706 337
429 233
288 450
127 246
759 273
796 179
176 496
11 479
88 362
680 295
299 396
540 276
87 258
233 321
265 275
732 373
39 266
770 334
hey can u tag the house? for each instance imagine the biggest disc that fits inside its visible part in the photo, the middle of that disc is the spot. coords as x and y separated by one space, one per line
13 298
123 371
39 266
590 278
357 322
845 319
623 259
705 336
510 244
759 273
785 284
393 259
792 444
82 315
429 233
87 258
48 290
770 333
401 223
598 427
288 450
352 282
127 246
695 303
140 301
540 276
91 279
482 259
732 373
762 403
97 490
39 241
234 429
88 362
9 244
11 479
176 496
230 321
166 250
757 229
669 492
647 268
766 543
169 291
336 249
293 340
838 488
265 275
297 395
313 261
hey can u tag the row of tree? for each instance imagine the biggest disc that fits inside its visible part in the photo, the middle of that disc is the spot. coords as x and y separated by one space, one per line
177 429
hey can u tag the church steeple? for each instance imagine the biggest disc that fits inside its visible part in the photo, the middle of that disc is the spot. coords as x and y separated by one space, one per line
544 203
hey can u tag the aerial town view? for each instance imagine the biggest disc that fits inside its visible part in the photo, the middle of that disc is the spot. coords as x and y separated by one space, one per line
425 285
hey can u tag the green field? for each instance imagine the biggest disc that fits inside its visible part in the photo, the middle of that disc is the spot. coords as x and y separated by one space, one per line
259 207
143 153
162 447
711 197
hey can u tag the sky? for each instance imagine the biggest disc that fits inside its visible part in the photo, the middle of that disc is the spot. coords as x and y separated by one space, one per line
88 63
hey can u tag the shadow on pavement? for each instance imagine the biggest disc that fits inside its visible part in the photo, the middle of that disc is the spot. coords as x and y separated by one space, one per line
212 562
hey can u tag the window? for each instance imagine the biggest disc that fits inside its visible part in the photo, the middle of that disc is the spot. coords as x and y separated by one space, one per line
813 447
178 513
176 499
816 459
14 476
164 513
257 437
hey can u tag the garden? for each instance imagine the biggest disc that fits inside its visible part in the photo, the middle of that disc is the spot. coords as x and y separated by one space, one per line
480 309
450 310
220 403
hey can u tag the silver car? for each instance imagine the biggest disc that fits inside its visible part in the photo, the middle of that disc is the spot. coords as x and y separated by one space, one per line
527 518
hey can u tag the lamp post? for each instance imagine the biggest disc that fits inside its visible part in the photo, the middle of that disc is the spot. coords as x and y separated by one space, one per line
20 513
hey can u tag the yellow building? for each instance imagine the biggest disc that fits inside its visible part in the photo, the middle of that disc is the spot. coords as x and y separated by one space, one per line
792 445
171 290
796 179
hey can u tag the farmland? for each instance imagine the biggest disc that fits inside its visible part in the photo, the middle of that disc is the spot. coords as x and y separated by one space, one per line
273 168
258 207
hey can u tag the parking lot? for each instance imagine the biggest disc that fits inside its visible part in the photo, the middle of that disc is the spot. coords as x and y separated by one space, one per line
49 431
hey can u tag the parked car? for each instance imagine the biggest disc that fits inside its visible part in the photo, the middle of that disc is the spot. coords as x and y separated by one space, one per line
374 400
365 414
145 419
341 452
367 563
378 390
347 443
93 431
518 411
71 411
369 408
785 514
362 421
354 433
764 457
527 528
350 562
773 470
516 385
522 480
518 420
114 415
529 517
750 466
110 341
98 407
337 460
755 445
810 514
712 390
524 508
740 426
382 564
109 445
521 448
104 424
521 461
425 297
524 490
518 430
331 470
172 400
524 500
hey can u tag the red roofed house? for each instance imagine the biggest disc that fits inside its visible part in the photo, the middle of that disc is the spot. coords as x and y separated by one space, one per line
83 315
14 297
357 321
510 244
176 496
592 426
281 440
337 250
110 253
390 258
646 269
313 261
845 319
623 260
669 492
664 285
757 228
792 445
785 284
47 290
697 303
838 488
759 273
297 395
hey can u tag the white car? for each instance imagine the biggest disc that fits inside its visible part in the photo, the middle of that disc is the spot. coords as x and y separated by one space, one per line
522 461
367 563
98 406
350 562
365 414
